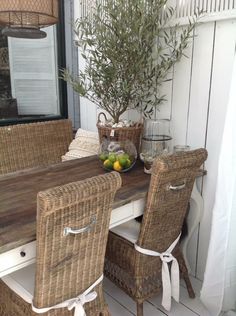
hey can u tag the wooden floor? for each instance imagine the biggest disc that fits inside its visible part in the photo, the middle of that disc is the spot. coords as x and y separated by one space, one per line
121 305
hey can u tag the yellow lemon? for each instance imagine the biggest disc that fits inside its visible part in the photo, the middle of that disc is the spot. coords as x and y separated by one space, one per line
117 166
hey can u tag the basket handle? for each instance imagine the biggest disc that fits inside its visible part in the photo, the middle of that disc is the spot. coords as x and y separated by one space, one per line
99 116
138 124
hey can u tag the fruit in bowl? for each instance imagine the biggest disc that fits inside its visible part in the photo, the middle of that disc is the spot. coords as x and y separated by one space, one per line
119 156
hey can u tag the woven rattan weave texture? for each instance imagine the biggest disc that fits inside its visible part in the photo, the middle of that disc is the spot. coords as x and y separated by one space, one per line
29 13
140 275
33 145
120 133
67 265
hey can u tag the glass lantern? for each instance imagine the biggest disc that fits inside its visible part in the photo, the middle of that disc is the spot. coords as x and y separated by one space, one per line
156 141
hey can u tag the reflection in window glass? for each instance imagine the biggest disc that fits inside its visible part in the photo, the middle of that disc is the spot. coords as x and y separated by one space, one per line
29 77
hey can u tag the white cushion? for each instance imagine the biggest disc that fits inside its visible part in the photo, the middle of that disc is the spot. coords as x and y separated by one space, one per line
22 282
84 133
128 230
85 144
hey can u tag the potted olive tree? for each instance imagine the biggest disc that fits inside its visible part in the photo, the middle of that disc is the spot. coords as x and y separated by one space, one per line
128 50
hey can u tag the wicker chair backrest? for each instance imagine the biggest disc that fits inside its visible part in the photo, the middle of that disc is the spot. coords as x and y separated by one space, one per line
67 265
170 190
32 145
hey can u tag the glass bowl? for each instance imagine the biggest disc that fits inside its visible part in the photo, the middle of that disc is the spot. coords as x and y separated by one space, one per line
119 156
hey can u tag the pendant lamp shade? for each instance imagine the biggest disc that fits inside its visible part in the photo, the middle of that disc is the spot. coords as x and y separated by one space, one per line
27 15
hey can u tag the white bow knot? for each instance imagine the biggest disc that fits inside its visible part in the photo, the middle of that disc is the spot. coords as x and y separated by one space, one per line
170 283
77 303
166 257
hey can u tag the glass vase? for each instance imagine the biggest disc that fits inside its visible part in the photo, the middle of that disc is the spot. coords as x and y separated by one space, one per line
156 141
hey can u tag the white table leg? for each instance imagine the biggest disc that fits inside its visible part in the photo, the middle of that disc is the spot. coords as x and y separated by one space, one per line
197 207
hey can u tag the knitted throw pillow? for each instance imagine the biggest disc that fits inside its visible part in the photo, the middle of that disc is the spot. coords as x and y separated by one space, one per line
85 144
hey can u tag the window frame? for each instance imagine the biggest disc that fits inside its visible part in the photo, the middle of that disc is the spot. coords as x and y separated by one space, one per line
62 85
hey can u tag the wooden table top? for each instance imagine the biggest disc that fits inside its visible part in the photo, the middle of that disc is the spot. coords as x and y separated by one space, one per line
18 194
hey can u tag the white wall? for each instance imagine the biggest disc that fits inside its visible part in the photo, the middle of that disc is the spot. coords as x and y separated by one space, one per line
197 101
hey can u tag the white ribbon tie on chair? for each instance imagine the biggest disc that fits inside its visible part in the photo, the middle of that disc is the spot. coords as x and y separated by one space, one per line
170 284
77 303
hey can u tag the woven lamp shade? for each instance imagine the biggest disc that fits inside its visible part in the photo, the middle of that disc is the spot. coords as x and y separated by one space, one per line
28 15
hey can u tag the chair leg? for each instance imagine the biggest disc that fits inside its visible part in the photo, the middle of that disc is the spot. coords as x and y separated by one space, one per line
139 309
189 286
184 273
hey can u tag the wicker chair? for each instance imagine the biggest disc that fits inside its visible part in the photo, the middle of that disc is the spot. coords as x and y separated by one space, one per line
138 274
32 145
66 263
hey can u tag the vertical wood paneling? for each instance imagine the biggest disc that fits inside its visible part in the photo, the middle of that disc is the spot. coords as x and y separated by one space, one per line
88 114
224 52
221 6
231 4
180 103
189 9
198 105
186 8
200 85
208 6
217 5
164 110
204 5
88 110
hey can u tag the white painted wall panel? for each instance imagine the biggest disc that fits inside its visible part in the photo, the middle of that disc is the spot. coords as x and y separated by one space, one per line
165 108
200 85
88 110
180 97
88 115
198 106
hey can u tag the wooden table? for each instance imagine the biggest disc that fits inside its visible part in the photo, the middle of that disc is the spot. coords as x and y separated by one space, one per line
18 198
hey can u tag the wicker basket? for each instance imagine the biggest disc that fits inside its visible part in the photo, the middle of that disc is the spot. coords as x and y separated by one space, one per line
132 133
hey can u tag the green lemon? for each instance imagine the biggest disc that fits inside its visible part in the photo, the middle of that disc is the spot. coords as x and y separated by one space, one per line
108 164
128 164
122 161
112 157
103 156
125 156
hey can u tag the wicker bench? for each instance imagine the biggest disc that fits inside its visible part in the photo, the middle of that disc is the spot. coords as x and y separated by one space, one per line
32 145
